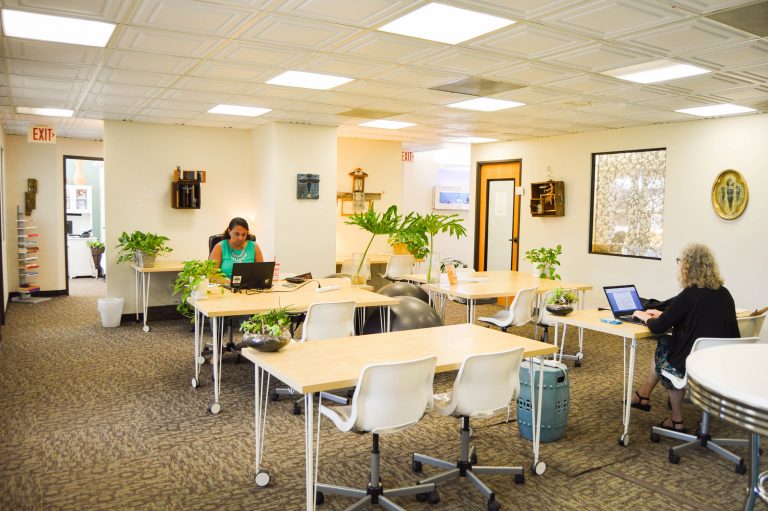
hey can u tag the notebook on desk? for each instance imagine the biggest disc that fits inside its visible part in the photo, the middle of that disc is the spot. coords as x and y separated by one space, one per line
623 301
252 275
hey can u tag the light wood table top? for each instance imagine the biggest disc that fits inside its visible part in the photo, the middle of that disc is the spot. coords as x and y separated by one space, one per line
372 258
591 319
222 302
337 363
161 265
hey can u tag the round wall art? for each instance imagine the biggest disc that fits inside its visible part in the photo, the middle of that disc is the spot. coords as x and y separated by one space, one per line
729 194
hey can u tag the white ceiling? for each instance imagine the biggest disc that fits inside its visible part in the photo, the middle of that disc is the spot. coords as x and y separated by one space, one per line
169 61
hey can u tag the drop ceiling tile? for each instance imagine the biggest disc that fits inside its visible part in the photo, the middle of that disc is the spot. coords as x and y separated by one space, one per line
241 52
677 103
757 73
464 61
532 73
731 57
708 83
588 84
174 115
164 42
125 77
686 36
151 62
297 33
52 52
519 9
48 70
389 48
704 6
660 116
316 108
743 95
234 72
103 10
191 96
113 89
534 95
53 85
195 83
599 57
99 100
635 93
416 77
44 98
360 13
530 41
189 17
343 66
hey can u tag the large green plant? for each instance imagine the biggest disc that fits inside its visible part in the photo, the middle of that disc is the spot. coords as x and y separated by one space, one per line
190 276
434 224
271 322
412 234
147 242
544 260
376 224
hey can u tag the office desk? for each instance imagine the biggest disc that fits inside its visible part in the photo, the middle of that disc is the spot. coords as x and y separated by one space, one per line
731 382
142 280
591 319
490 284
221 305
314 367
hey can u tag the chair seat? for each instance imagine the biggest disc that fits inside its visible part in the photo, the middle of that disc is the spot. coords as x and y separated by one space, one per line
501 318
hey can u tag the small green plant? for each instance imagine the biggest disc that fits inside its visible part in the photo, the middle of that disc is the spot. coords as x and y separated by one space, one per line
562 296
190 276
545 260
147 242
375 223
271 322
95 245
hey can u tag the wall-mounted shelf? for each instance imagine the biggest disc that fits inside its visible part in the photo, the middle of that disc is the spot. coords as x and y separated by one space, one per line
548 198
185 188
27 262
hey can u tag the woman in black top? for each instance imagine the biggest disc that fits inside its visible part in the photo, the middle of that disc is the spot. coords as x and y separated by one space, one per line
704 308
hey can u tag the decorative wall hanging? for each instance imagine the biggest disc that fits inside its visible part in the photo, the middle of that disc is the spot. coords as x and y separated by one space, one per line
729 194
30 197
627 206
361 200
185 188
308 186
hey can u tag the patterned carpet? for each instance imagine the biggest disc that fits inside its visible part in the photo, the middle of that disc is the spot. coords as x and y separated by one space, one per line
96 418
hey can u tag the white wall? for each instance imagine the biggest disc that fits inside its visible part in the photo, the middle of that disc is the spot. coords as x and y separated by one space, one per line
697 152
3 239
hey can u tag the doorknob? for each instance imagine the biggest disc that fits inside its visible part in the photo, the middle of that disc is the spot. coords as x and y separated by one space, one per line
513 239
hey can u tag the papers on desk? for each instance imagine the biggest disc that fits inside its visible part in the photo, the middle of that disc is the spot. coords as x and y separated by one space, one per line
473 279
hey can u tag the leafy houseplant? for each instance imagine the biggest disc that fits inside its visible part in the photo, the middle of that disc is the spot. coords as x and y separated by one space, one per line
376 224
434 224
544 261
561 301
141 247
97 249
412 234
194 273
267 331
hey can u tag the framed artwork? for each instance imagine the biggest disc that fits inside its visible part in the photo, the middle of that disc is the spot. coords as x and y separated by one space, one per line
308 186
451 197
627 205
729 194
348 207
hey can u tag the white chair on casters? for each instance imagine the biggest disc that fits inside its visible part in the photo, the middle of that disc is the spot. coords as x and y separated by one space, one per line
484 385
388 398
397 266
703 437
518 314
323 321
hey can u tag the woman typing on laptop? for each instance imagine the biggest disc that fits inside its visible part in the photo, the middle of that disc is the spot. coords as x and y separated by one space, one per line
704 308
235 247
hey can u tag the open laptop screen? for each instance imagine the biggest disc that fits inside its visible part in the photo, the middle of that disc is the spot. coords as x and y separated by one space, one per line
623 300
252 275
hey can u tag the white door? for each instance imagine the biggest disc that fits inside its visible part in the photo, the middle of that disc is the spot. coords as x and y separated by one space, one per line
501 221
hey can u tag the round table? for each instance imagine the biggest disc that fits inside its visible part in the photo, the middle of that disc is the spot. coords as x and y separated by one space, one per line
731 382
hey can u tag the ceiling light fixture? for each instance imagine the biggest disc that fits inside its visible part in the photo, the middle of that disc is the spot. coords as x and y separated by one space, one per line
486 104
656 71
445 24
716 110
49 112
308 80
476 140
249 111
57 29
388 125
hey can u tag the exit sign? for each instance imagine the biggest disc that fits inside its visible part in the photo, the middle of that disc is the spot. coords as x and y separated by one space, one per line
41 135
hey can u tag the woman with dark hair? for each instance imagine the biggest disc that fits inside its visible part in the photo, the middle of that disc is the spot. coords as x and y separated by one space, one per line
235 247
704 308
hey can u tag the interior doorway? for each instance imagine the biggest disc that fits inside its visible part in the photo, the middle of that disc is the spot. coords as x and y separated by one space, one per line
497 215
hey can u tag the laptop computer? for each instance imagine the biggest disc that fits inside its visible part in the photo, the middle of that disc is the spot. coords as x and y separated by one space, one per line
623 301
252 275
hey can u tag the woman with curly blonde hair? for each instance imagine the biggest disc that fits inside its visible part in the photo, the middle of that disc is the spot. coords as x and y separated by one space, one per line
704 308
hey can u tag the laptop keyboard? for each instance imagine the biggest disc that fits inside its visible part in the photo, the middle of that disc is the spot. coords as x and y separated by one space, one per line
631 319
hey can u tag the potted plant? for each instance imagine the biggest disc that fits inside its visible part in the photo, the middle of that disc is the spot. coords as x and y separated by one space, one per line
376 224
193 279
544 260
410 237
434 224
97 249
267 331
141 248
561 301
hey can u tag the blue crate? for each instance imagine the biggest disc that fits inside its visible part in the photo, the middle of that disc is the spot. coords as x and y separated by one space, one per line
556 394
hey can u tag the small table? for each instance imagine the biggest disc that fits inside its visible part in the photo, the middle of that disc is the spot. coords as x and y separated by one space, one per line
731 382
313 367
592 319
143 277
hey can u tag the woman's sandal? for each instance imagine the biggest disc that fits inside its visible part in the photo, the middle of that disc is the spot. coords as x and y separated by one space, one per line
674 425
639 405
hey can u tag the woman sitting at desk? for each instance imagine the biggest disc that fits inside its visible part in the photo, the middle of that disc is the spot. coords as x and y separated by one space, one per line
704 308
235 247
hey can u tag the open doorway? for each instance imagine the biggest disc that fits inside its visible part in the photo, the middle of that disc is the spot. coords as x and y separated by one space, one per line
84 218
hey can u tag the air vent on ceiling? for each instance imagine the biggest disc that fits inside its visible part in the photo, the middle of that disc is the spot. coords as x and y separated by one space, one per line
750 18
368 114
477 87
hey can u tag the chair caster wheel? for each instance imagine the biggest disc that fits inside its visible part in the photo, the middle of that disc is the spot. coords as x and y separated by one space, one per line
577 362
146 328
319 498
261 478
200 360
473 458
296 409
274 396
416 466
214 408
674 458
422 497
519 478
624 440
655 438
433 497
741 468
195 383
539 468
493 505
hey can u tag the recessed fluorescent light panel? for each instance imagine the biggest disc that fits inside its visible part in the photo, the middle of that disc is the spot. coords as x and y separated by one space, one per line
308 80
476 140
656 71
248 111
445 24
50 112
485 104
389 125
715 110
57 29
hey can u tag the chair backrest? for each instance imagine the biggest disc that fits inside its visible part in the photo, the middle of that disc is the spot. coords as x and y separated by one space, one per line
399 265
216 238
486 383
703 343
521 309
329 320
750 326
392 396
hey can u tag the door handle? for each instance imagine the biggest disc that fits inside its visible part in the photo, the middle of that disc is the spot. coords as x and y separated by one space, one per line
514 240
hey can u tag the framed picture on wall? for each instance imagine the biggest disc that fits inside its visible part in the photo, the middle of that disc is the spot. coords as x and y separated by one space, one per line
451 197
308 186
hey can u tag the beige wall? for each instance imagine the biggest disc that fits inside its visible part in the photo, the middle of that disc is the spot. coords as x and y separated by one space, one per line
3 239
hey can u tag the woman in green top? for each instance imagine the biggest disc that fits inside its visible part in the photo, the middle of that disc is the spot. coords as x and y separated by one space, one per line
235 247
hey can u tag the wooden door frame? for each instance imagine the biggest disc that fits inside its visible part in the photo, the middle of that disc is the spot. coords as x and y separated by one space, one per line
478 183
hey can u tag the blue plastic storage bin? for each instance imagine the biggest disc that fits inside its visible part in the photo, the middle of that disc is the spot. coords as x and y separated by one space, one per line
555 397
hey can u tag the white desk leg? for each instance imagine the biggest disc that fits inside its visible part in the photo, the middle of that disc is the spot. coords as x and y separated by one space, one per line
389 318
630 373
262 477
538 467
470 310
136 293
198 356
146 279
218 324
309 400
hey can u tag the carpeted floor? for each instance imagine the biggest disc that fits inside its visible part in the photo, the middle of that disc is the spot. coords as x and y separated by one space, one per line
96 418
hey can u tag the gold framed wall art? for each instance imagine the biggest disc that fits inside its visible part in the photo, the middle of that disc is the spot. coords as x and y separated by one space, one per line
730 194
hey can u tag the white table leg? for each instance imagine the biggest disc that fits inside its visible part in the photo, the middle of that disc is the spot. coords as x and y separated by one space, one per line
629 380
198 335
216 327
309 400
262 477
146 279
136 293
471 310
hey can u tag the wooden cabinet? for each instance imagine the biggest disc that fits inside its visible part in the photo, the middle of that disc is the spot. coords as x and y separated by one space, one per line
548 198
185 188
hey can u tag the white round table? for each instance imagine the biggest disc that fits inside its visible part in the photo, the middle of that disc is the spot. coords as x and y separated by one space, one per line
731 382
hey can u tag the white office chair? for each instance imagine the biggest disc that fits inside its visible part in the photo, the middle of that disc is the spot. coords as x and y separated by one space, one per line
518 314
388 398
484 385
750 326
703 438
397 266
323 321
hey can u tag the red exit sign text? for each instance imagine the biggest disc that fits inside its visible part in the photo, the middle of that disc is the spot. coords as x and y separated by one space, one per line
41 135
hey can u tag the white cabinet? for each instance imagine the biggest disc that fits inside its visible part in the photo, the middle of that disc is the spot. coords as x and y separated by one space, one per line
79 199
80 260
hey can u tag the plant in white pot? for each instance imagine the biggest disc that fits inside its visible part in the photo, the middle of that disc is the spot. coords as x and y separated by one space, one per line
267 331
544 261
193 280
141 248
